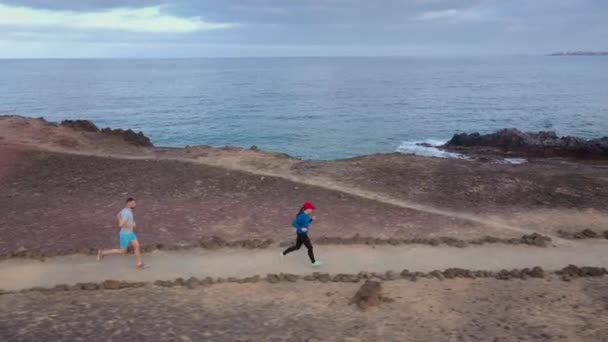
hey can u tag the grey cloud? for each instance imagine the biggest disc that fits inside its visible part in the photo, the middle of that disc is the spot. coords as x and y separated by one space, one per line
81 5
388 26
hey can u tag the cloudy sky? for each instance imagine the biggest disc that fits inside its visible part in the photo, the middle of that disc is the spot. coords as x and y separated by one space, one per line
212 28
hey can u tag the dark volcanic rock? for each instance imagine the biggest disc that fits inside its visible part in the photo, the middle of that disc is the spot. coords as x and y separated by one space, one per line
324 277
541 144
60 287
133 138
192 282
82 125
588 233
163 283
390 275
573 271
137 139
111 284
89 286
212 243
369 294
452 273
535 239
290 277
537 272
272 278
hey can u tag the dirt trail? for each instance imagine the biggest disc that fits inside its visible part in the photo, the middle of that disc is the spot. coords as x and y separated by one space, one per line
18 274
324 183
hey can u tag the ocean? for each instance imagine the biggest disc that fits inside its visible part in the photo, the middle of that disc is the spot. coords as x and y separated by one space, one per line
315 108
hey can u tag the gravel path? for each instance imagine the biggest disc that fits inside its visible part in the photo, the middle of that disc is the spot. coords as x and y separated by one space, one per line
18 274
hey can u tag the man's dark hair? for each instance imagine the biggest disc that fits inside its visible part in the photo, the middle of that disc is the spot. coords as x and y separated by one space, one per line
130 199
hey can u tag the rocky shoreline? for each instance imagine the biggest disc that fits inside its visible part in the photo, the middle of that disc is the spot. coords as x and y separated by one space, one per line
508 142
515 142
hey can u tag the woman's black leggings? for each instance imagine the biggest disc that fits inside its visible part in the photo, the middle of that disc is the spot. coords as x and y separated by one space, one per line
302 239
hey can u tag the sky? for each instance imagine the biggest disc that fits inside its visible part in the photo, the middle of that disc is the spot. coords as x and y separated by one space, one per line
249 28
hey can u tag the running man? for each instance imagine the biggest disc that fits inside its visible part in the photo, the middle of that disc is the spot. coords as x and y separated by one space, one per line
126 222
302 225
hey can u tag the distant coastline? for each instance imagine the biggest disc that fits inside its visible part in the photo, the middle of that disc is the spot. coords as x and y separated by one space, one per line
580 53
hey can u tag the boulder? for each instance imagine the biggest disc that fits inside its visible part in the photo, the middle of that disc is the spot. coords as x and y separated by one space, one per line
124 284
452 273
163 283
573 271
111 284
391 275
588 233
364 275
535 239
90 286
62 287
437 274
504 275
324 277
209 281
20 252
213 242
272 278
537 272
368 295
192 283
291 277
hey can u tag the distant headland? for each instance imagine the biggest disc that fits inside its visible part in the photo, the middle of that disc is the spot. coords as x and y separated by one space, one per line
580 53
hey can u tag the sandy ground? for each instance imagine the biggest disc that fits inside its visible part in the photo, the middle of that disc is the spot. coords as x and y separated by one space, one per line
69 193
427 310
61 189
17 274
71 202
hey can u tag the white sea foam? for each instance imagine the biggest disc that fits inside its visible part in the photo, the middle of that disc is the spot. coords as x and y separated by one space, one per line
514 161
413 147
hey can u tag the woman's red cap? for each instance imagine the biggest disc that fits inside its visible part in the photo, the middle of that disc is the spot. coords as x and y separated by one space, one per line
308 205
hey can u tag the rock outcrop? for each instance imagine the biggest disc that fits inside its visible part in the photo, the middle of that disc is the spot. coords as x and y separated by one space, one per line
130 136
81 125
542 144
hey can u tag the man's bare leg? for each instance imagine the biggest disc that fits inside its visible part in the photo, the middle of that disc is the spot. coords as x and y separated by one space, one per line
137 250
101 253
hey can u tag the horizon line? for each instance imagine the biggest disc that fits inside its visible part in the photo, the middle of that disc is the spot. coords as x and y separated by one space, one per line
278 57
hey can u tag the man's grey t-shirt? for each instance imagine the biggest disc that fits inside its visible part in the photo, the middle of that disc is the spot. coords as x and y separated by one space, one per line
127 215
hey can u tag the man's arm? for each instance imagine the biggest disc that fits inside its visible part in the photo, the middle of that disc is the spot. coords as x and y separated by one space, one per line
123 222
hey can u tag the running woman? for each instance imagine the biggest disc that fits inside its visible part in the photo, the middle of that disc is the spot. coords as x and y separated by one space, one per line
302 226
126 222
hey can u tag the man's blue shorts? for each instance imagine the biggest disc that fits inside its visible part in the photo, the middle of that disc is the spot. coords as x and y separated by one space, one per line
126 238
